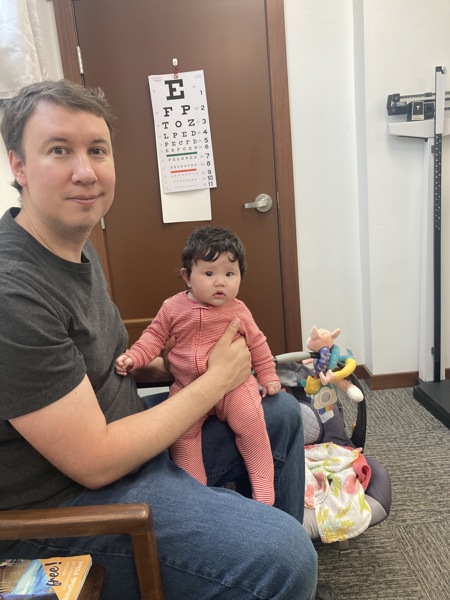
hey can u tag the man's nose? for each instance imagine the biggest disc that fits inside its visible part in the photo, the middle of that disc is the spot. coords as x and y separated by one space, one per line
83 171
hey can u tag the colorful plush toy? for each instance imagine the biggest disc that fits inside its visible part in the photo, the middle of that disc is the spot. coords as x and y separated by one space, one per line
321 341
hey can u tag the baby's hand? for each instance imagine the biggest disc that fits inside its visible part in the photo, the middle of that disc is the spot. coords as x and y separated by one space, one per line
271 388
124 364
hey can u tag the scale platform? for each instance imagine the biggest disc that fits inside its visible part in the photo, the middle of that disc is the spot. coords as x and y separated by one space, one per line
435 397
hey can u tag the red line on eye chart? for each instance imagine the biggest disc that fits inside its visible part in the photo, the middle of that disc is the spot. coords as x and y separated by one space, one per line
182 170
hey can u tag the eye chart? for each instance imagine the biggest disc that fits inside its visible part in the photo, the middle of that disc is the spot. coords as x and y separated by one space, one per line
183 136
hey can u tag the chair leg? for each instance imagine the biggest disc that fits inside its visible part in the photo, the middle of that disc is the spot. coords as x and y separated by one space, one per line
147 565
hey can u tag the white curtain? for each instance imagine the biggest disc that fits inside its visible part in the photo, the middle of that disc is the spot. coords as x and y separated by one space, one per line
21 46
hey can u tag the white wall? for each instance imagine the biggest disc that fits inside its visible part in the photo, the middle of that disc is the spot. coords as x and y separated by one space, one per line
358 190
321 82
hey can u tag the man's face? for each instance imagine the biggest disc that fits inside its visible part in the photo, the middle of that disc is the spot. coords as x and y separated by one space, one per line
67 174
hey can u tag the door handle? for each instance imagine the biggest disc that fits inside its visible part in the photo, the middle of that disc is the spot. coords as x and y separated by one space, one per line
263 203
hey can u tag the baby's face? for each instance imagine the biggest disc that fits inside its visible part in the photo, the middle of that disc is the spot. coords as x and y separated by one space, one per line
215 282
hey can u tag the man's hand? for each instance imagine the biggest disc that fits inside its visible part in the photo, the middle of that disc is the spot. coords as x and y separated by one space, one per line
230 359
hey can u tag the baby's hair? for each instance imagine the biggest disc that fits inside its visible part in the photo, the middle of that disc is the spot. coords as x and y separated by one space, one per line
208 243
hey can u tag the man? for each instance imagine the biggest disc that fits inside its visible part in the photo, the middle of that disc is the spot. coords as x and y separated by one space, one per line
72 432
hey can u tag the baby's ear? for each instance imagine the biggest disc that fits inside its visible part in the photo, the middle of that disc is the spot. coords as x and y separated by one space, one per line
185 275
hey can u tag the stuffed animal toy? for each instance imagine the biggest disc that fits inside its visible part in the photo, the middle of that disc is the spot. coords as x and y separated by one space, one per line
321 341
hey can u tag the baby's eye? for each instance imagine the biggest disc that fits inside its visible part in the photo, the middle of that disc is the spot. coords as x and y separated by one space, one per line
208 273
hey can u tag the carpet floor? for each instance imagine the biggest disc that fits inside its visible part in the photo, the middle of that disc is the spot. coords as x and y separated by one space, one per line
407 557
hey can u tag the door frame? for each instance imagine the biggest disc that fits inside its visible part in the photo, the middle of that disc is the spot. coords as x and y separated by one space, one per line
68 43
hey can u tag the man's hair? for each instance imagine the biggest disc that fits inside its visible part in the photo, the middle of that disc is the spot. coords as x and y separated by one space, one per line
208 243
18 110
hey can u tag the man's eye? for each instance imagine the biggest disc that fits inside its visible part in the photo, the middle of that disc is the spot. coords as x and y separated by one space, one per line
98 151
58 150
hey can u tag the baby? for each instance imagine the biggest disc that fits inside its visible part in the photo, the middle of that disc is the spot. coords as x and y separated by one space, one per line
214 264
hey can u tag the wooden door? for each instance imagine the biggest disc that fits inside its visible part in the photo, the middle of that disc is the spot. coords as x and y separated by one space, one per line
122 43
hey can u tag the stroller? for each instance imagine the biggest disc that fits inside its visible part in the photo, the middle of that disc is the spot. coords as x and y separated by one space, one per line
328 419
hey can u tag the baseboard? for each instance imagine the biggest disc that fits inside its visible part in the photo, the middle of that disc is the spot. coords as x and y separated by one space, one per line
390 380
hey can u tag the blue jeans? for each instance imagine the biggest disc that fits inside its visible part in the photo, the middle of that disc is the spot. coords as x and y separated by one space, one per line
212 542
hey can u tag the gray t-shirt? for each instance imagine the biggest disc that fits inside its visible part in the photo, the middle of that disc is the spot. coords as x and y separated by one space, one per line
57 323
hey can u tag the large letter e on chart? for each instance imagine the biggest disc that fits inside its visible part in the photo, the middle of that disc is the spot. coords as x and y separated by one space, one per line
175 89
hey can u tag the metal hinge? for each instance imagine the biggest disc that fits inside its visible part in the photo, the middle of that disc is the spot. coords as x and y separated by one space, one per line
80 60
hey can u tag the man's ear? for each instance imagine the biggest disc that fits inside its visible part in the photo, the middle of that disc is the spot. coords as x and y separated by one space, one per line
185 275
17 167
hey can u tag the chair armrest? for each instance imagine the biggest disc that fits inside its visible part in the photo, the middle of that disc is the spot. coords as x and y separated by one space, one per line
81 521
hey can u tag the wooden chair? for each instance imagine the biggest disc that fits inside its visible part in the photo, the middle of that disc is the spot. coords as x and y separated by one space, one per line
132 519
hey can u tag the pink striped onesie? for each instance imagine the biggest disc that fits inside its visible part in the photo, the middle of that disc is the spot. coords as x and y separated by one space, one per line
197 327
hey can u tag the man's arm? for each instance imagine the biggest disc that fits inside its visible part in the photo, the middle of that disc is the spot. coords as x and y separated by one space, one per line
73 435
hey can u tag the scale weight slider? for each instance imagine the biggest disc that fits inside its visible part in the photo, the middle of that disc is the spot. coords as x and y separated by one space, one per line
420 110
